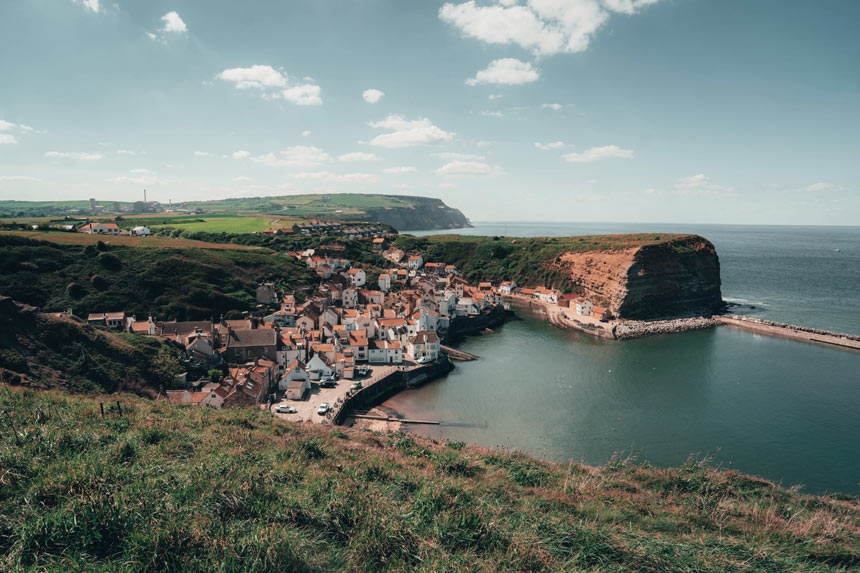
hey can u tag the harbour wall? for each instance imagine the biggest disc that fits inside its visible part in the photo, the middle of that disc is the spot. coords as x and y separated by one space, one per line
384 388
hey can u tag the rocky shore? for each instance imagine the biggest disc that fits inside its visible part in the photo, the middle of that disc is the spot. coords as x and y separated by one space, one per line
637 328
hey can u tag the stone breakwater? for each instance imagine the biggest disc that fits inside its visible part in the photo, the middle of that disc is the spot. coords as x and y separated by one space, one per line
637 328
793 327
791 331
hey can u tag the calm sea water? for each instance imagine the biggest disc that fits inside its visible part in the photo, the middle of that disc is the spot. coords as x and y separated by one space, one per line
781 409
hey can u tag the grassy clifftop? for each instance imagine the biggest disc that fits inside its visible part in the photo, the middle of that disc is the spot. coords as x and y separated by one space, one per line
167 488
531 261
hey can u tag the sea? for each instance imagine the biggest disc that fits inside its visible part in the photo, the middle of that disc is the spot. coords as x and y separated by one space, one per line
784 410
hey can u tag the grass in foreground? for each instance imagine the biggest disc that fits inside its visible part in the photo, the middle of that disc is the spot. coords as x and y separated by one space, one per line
168 488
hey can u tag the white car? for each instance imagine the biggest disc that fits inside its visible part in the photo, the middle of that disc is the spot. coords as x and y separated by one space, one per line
284 409
322 409
424 360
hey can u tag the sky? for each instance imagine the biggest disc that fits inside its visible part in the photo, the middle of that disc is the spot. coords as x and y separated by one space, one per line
708 111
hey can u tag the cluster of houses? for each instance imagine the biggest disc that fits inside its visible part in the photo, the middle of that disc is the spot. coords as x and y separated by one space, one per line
339 228
340 328
580 305
99 228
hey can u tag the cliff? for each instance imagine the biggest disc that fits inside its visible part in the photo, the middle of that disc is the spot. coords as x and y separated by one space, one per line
676 277
424 214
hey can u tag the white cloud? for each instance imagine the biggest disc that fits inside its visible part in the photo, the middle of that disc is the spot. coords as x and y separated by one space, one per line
464 169
822 187
506 71
257 77
83 156
242 179
698 185
125 152
483 143
550 146
19 179
459 156
357 178
6 125
7 139
372 95
202 154
305 94
138 177
173 24
359 156
486 113
492 97
398 170
241 154
141 171
552 106
299 156
542 26
306 133
406 133
599 153
91 5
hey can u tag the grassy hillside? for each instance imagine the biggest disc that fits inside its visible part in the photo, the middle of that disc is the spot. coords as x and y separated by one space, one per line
526 260
47 352
183 283
169 488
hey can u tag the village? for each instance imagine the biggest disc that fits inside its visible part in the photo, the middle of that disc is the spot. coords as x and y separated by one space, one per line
303 360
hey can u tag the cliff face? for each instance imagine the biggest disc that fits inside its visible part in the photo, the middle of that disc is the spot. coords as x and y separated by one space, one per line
678 277
427 214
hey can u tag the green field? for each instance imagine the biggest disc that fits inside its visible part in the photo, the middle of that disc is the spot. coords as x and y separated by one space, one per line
229 224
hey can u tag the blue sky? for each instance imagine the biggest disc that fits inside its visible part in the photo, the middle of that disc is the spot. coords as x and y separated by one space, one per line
729 111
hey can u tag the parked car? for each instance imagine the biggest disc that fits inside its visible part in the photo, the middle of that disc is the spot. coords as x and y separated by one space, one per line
323 409
328 383
362 370
356 385
285 409
424 360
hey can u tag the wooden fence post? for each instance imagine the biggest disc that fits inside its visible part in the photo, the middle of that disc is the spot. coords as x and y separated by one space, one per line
102 407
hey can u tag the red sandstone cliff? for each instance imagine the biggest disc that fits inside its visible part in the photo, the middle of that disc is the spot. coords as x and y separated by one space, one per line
677 277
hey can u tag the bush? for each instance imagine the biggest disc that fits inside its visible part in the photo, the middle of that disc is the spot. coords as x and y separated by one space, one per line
75 291
110 262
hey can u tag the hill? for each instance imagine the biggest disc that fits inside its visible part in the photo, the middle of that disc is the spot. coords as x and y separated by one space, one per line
398 211
160 487
186 283
45 351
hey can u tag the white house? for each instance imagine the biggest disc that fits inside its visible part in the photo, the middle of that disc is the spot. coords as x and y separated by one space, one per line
384 282
415 262
350 298
317 367
356 277
507 287
100 229
141 231
583 307
295 381
385 352
425 344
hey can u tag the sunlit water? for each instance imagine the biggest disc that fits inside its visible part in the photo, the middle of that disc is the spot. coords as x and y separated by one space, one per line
785 410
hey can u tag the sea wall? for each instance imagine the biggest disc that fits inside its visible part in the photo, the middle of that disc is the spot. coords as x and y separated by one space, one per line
791 331
465 325
386 387
628 329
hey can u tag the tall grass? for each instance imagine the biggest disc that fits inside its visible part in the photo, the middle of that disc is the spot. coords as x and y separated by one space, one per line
166 488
